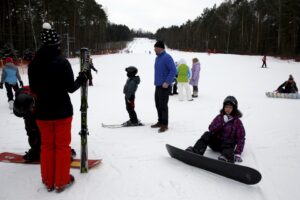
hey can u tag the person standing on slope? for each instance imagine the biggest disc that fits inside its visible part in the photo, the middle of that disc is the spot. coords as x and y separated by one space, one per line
195 76
10 77
51 78
129 90
164 74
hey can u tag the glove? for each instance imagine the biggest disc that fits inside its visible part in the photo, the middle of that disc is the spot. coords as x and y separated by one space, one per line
83 76
237 158
1 85
21 83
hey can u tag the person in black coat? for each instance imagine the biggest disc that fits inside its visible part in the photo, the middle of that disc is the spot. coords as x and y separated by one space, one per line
129 90
51 78
288 86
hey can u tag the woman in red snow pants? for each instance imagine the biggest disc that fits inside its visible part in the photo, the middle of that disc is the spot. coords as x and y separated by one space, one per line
55 151
51 79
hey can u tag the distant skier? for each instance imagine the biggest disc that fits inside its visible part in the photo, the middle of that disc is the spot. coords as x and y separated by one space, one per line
10 77
288 86
264 62
226 133
129 90
89 72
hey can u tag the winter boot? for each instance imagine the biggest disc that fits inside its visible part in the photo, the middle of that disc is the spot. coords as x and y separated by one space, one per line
163 128
73 154
31 156
130 123
223 158
190 149
195 94
157 125
62 188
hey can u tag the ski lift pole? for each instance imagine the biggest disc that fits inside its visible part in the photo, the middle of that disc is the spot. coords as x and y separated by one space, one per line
84 64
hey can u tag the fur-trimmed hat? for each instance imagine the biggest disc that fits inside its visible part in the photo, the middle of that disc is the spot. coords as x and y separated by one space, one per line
49 36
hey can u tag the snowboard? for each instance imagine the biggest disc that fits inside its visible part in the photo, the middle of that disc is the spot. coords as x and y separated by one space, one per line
17 158
120 125
239 173
283 95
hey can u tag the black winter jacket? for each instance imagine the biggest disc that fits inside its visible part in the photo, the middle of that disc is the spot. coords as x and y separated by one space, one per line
51 79
131 86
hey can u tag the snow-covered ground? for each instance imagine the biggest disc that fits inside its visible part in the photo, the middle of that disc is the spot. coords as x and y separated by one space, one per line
136 165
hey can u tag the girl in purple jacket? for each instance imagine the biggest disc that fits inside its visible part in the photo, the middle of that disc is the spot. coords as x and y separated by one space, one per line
226 133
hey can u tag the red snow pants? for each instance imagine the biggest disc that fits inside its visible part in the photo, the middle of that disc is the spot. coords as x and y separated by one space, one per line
55 151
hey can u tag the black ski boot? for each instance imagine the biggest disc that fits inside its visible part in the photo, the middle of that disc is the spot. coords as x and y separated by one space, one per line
31 156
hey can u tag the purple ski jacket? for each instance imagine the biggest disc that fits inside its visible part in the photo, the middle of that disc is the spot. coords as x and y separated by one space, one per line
233 130
195 74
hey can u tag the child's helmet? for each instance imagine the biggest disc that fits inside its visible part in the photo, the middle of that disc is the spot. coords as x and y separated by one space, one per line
23 104
131 71
232 101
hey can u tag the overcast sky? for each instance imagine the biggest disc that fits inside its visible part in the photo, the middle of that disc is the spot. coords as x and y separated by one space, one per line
151 15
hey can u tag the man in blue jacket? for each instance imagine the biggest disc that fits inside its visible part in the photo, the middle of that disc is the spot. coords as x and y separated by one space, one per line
164 74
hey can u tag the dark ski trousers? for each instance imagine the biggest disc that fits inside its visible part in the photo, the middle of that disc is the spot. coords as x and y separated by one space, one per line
264 65
130 109
161 103
33 133
226 148
9 91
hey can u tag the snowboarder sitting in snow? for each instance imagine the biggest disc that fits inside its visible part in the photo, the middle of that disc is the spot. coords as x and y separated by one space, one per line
129 90
226 133
288 86
24 107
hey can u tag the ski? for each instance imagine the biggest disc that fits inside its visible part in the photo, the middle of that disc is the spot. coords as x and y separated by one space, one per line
235 172
84 60
120 125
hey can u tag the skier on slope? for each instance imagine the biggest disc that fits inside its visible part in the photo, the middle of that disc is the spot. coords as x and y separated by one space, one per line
129 90
10 77
226 133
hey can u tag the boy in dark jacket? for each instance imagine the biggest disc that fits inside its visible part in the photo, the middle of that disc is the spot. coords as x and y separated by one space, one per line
129 90
226 133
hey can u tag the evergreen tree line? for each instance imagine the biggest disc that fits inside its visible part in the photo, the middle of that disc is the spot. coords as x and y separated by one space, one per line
270 27
80 23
